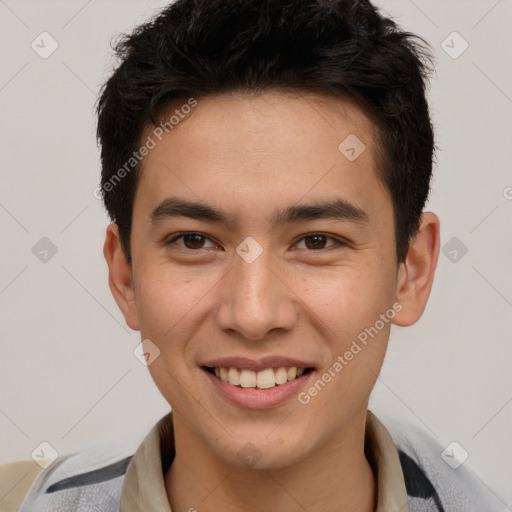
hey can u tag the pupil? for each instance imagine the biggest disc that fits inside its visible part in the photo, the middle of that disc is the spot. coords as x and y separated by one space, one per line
319 242
193 241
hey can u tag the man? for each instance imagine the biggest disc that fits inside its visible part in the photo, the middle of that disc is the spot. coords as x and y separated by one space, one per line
266 165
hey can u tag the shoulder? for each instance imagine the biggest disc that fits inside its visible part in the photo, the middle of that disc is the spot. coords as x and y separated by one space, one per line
435 475
93 476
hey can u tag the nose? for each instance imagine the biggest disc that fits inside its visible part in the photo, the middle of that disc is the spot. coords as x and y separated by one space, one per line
256 300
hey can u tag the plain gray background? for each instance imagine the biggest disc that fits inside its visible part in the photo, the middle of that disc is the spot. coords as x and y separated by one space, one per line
68 375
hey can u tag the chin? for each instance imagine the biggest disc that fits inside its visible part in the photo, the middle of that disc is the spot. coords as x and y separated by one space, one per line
265 450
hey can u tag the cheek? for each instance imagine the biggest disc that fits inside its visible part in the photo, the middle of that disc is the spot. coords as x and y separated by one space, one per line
348 300
350 307
168 301
170 309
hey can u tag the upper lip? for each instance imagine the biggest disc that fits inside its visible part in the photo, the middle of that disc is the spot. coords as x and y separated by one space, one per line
256 365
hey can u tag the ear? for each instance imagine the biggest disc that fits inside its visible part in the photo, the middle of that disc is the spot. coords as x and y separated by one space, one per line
416 273
120 277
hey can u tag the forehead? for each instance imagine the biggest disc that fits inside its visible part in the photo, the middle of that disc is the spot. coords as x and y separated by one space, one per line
257 149
320 117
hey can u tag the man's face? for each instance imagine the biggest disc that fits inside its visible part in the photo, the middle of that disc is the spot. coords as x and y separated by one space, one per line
265 291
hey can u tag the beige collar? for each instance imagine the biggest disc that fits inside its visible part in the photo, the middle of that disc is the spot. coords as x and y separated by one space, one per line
144 489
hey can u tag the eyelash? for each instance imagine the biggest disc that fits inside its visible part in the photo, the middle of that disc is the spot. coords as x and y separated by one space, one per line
339 242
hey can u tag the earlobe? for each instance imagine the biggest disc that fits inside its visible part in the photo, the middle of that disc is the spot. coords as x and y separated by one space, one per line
416 273
120 276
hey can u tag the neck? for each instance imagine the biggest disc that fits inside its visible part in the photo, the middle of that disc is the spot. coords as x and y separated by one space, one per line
336 477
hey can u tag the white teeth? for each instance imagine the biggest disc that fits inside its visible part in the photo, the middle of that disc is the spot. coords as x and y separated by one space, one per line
281 376
234 376
264 379
247 379
292 373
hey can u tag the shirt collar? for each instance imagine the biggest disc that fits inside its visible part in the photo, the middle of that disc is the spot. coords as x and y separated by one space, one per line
144 488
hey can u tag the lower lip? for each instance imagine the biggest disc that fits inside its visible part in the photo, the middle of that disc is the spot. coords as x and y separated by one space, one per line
251 398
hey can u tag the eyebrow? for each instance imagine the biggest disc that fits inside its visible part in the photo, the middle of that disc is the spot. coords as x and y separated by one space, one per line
339 209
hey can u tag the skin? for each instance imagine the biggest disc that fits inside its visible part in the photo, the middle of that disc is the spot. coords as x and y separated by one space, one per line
250 155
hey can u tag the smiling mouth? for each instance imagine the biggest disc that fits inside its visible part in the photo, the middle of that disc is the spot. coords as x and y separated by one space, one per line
264 379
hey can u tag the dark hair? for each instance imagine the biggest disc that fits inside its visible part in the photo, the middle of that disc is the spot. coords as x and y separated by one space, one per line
196 48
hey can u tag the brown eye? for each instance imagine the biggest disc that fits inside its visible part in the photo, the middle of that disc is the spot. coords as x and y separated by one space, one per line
317 241
192 241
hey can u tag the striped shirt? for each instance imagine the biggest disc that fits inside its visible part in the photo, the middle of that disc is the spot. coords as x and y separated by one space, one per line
93 480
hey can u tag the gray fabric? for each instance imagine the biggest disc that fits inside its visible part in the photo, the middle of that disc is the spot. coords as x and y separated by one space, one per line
103 496
458 490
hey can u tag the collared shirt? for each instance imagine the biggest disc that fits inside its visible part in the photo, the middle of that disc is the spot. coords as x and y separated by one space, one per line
410 474
144 489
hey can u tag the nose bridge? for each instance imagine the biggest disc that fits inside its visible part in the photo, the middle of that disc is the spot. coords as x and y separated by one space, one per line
254 300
